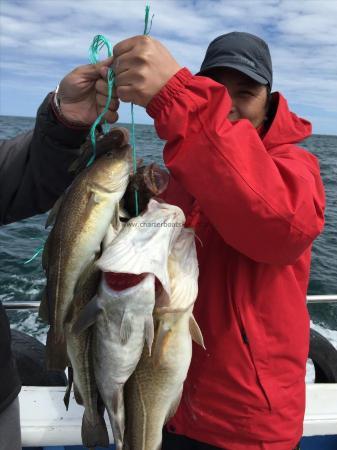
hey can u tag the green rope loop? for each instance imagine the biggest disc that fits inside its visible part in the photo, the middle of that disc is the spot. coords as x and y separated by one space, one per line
134 156
98 43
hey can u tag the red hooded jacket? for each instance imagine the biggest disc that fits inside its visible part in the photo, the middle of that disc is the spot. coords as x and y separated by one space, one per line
256 205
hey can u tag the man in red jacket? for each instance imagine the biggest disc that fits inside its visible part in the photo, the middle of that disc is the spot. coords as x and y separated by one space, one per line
256 201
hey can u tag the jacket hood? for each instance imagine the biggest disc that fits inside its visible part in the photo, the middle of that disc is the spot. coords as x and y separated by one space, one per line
286 127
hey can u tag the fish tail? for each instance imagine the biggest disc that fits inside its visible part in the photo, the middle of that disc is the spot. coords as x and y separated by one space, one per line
94 435
117 418
56 352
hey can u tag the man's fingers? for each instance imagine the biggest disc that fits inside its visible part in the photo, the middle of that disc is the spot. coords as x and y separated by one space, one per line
101 86
104 63
93 71
127 45
103 71
101 102
122 63
109 116
125 93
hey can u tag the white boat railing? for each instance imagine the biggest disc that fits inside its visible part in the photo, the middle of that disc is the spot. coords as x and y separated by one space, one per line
330 298
321 298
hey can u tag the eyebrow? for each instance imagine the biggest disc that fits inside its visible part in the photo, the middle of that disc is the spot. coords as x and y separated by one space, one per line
248 83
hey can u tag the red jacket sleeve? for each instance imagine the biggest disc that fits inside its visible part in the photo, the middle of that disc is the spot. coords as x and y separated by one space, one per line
269 205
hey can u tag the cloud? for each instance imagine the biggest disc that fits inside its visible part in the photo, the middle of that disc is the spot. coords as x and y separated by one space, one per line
41 40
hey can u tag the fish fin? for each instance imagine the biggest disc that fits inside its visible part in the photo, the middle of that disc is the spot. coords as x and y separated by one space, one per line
123 214
100 404
56 352
196 332
149 332
44 308
110 235
126 328
87 316
162 336
45 252
66 397
54 211
89 271
115 222
173 408
118 417
74 166
94 199
77 395
94 435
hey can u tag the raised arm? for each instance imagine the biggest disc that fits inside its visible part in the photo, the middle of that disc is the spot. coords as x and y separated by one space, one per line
34 167
265 199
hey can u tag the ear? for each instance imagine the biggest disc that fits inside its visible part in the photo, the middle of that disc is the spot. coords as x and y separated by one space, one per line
87 316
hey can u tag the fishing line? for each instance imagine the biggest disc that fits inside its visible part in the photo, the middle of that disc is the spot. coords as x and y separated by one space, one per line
36 254
98 43
133 134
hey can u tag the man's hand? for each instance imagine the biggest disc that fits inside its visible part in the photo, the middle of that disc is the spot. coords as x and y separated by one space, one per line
142 67
83 94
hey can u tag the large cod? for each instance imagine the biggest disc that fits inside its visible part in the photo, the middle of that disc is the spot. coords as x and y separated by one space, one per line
152 394
82 220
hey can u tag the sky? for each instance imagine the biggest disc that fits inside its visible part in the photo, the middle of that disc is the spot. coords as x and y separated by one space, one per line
42 40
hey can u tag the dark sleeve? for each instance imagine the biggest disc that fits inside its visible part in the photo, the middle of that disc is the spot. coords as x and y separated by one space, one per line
34 166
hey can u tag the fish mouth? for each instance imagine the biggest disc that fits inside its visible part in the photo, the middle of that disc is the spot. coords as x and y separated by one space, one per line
156 179
117 137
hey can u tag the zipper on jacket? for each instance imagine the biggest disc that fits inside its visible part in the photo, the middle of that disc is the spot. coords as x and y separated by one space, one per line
244 336
246 342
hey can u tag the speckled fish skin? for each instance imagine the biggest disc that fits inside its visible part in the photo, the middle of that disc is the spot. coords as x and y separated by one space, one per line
119 336
79 350
153 392
81 223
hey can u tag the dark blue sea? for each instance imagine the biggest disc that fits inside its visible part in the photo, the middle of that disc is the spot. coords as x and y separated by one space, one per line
19 241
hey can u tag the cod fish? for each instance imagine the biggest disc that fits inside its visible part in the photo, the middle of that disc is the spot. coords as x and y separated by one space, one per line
82 219
149 181
144 244
122 320
153 392
79 350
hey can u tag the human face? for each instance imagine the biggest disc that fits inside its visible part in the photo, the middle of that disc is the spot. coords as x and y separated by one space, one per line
249 98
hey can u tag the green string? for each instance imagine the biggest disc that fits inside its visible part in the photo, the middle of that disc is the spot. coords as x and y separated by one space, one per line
37 252
98 43
133 134
147 13
134 156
